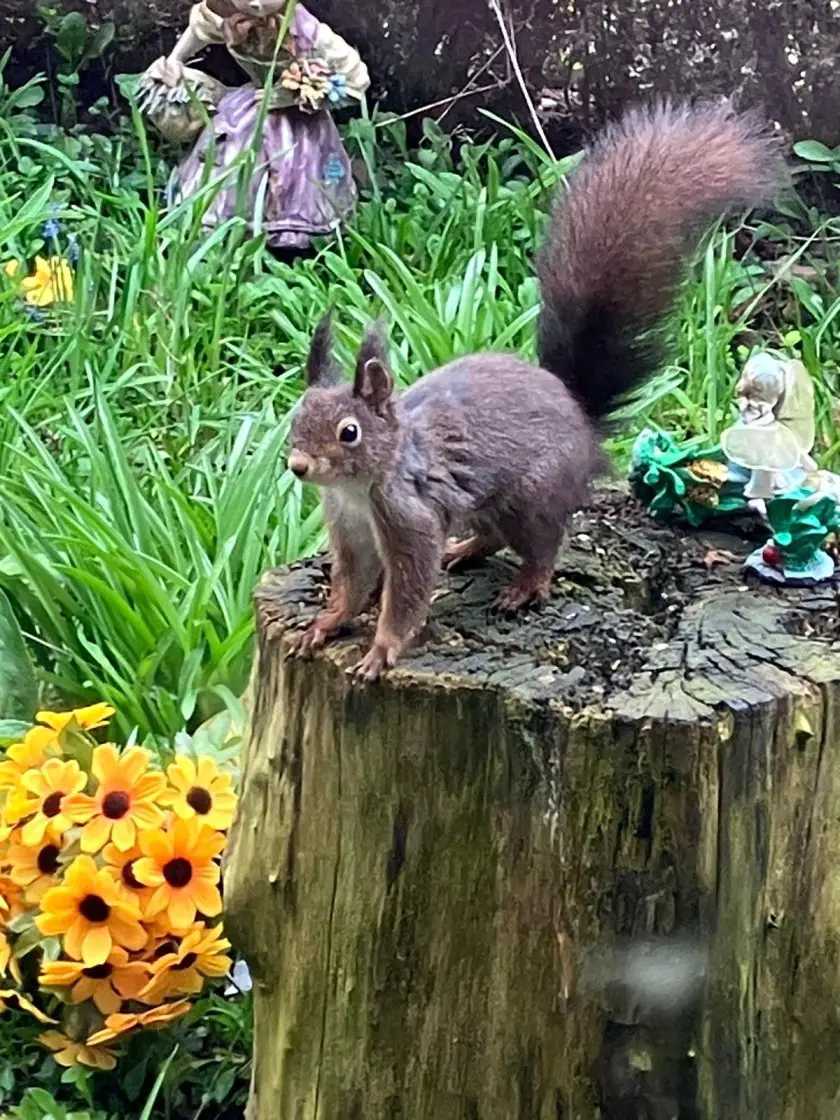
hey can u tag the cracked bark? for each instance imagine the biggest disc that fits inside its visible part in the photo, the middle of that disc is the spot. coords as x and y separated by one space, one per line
421 871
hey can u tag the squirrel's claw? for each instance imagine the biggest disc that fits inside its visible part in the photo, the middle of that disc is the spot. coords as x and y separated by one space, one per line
307 641
374 662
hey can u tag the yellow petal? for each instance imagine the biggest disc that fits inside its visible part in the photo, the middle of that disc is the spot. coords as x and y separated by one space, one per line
11 267
74 939
181 910
124 834
105 761
207 898
95 834
127 933
96 945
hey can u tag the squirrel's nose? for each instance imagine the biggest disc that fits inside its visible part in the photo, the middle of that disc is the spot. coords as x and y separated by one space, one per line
298 464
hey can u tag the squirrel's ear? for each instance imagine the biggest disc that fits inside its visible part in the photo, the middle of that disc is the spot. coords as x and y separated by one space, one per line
319 364
373 382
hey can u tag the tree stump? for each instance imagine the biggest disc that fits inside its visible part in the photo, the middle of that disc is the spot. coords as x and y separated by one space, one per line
579 864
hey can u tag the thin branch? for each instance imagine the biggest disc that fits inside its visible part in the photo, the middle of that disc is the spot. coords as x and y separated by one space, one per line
510 46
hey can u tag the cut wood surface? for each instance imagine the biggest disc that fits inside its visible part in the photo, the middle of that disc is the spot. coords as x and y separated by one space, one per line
438 879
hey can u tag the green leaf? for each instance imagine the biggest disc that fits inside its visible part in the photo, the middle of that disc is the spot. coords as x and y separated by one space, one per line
156 1088
12 731
71 36
18 686
814 151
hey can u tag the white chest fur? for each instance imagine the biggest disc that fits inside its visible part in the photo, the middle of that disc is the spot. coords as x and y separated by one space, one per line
350 507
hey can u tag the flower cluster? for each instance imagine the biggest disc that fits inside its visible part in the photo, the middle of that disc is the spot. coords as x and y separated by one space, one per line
109 884
309 83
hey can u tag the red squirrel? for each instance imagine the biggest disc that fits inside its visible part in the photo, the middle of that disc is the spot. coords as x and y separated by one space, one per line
490 444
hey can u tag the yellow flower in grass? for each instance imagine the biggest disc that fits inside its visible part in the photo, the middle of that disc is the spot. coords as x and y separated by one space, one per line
51 282
182 971
118 1025
47 789
92 913
23 1004
106 984
88 719
69 1053
11 267
201 791
39 744
35 868
123 803
180 865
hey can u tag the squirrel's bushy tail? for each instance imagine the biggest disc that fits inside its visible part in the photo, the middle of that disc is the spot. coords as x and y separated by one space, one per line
614 260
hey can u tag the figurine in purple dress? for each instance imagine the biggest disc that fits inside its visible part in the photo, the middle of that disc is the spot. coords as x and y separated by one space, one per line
301 185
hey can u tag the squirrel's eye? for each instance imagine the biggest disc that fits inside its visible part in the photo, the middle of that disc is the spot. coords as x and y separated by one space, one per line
349 432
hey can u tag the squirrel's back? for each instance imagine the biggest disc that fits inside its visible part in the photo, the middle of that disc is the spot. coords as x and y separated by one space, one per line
615 255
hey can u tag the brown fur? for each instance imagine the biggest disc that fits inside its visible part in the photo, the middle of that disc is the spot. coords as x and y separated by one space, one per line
489 443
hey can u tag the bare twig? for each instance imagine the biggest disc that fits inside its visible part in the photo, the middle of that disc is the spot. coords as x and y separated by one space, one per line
469 91
510 46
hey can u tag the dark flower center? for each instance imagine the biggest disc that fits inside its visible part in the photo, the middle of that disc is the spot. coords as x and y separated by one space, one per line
52 804
200 800
165 949
128 876
48 860
178 872
99 971
94 909
188 961
116 805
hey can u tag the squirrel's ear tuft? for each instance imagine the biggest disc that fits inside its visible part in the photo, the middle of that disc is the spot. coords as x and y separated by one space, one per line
373 383
319 364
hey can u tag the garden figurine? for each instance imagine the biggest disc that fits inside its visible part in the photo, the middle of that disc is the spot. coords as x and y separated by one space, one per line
769 447
301 186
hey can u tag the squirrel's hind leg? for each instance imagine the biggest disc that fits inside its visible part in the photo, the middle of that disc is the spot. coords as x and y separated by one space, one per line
536 539
479 545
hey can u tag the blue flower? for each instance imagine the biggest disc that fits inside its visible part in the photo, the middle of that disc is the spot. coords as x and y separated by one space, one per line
334 171
337 91
51 230
34 313
72 249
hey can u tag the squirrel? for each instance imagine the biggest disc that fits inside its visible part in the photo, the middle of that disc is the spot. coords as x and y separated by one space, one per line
490 443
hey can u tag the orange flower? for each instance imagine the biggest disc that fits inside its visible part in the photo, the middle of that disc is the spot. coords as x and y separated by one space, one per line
116 1025
48 787
23 1004
203 791
96 715
182 971
124 800
106 984
8 964
39 744
92 913
121 866
69 1053
11 899
180 865
35 868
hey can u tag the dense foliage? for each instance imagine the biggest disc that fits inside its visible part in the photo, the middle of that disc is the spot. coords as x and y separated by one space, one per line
149 371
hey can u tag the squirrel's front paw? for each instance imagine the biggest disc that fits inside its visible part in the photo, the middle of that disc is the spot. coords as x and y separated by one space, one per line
305 643
374 662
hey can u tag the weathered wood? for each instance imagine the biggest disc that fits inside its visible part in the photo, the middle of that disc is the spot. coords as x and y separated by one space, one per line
437 879
596 56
